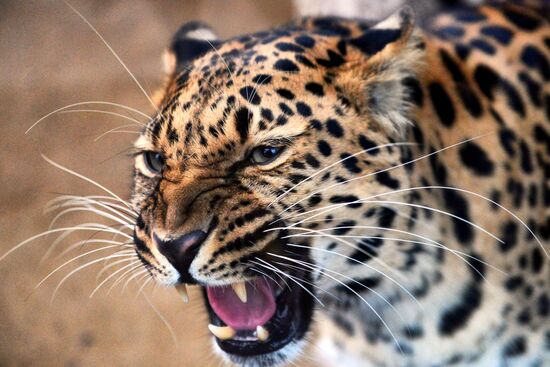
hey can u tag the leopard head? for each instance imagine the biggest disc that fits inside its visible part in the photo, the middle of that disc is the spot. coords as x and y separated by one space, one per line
248 175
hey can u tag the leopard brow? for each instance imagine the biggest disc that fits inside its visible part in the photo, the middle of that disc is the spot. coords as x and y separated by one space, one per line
278 141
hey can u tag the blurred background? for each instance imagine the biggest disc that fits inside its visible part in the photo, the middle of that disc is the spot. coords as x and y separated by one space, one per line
49 59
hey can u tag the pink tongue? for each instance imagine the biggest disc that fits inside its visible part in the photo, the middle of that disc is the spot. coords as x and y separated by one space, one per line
258 309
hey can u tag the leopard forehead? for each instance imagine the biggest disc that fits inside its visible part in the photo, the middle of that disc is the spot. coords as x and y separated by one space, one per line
263 86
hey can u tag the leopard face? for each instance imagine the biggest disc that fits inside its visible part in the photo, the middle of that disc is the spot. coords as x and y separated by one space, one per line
265 152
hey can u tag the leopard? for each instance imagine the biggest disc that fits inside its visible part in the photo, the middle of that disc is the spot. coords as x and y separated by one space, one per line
375 191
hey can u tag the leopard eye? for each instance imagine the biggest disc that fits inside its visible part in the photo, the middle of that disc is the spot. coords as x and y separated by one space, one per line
265 154
154 162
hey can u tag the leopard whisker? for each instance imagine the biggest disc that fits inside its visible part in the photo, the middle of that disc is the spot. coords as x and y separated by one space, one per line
437 244
391 279
93 204
266 275
96 227
145 283
108 266
122 276
88 264
132 277
307 282
105 103
329 208
277 270
87 179
278 198
478 227
110 247
163 319
282 279
112 52
306 264
116 131
111 113
57 230
508 211
86 242
91 210
355 247
384 170
67 200
112 275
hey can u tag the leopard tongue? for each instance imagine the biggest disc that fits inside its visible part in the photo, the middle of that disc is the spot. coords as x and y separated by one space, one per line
258 309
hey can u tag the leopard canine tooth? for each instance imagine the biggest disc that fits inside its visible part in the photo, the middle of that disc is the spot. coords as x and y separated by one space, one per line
262 333
182 291
222 332
240 291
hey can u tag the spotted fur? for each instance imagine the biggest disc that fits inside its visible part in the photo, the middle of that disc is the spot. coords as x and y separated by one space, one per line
430 147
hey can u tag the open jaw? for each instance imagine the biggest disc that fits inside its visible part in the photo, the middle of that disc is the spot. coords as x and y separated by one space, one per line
257 318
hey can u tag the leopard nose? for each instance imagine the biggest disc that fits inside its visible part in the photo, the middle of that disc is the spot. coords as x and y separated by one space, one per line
181 251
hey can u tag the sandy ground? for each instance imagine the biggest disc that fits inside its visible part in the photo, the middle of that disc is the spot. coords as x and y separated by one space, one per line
49 59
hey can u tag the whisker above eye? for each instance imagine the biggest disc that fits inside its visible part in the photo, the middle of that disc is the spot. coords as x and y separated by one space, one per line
112 52
221 58
117 132
106 113
106 103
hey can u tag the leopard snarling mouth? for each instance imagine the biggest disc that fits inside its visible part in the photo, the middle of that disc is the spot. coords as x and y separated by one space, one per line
260 316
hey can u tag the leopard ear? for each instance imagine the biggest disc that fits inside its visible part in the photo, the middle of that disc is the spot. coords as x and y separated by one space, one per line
191 41
390 32
381 83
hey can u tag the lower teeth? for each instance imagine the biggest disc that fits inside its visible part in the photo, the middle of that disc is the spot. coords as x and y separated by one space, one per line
227 332
262 333
222 332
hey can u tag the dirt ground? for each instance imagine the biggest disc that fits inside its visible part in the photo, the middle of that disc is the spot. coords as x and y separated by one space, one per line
50 58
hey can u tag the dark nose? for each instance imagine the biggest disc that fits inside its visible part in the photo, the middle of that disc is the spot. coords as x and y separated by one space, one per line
181 251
